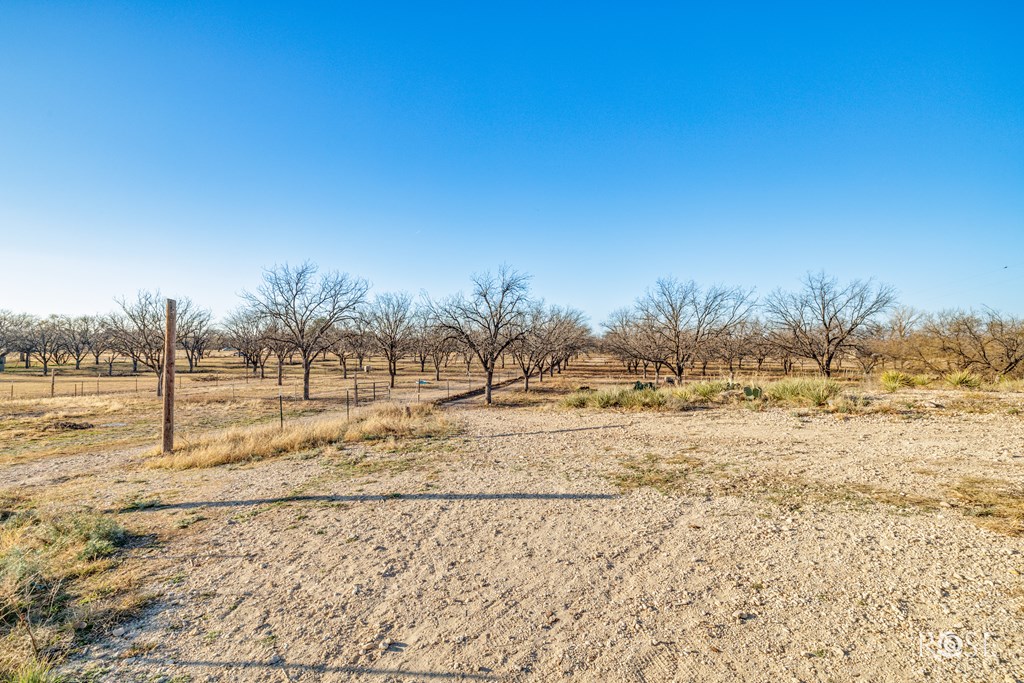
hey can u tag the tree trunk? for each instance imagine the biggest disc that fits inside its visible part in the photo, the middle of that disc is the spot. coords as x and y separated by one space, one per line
526 382
487 386
78 364
306 363
280 370
159 383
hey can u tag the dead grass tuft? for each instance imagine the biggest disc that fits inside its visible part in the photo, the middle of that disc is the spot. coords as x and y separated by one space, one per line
995 504
246 444
666 475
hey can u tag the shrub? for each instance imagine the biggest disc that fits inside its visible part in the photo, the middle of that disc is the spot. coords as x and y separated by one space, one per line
706 391
893 380
963 379
817 392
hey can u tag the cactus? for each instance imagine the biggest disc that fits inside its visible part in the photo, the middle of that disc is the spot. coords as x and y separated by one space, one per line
752 393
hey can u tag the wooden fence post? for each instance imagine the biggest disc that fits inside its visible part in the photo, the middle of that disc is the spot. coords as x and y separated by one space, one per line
169 345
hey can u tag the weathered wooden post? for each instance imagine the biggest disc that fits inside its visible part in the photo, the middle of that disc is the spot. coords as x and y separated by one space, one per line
169 344
53 382
280 405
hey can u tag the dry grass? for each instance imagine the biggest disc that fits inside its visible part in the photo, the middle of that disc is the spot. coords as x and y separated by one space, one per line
816 392
49 560
667 475
997 505
793 391
245 444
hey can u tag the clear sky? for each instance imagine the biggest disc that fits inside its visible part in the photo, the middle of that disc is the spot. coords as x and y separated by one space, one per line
184 146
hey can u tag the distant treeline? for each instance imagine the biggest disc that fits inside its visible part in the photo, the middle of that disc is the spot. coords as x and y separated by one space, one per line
675 327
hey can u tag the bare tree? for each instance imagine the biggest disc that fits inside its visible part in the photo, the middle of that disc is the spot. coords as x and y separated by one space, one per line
194 330
390 322
821 320
532 345
567 336
14 330
47 341
246 331
80 333
488 320
105 345
306 308
688 321
989 341
433 341
279 345
549 337
123 339
631 338
897 335
139 330
101 341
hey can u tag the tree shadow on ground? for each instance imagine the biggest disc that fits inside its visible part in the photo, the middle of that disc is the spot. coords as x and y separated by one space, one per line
371 498
325 668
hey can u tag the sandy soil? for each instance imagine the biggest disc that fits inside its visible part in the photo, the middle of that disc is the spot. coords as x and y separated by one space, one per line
782 548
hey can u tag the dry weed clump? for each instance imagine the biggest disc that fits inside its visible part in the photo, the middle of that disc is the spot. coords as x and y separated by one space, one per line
245 444
45 560
997 505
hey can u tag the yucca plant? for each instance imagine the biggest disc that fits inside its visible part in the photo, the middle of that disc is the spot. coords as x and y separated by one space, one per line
817 392
963 379
894 380
707 391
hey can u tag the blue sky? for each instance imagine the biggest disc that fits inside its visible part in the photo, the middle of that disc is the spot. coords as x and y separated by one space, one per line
184 146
